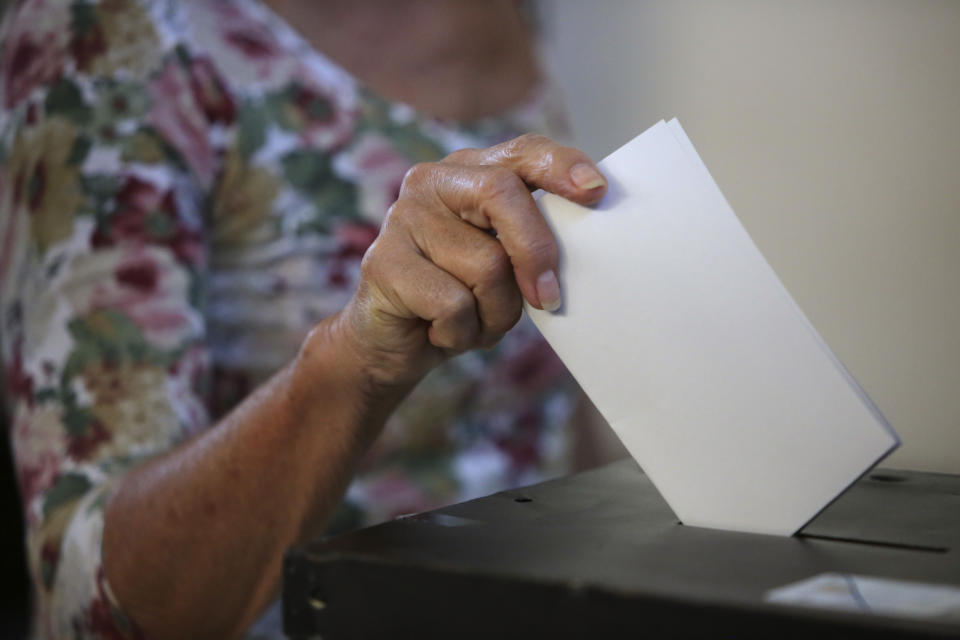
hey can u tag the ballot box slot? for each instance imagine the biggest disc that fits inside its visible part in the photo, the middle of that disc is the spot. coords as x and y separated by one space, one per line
874 543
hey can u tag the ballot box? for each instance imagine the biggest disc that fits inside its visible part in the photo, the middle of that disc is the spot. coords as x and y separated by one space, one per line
600 555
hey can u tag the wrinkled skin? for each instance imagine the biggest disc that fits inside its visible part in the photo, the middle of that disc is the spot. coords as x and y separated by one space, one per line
459 250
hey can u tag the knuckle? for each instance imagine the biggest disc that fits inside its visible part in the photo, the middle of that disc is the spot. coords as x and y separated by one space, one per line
496 328
497 183
529 140
527 144
492 264
379 258
535 152
369 264
457 306
394 213
417 176
462 156
402 215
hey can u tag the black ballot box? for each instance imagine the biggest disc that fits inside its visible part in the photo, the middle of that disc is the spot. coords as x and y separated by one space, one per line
599 555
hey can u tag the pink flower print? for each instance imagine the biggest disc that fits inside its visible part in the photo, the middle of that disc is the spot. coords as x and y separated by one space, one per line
530 368
137 204
85 444
89 45
40 442
325 118
19 381
102 620
392 493
180 119
8 230
210 92
244 49
189 375
246 35
353 240
377 168
521 443
35 49
148 285
49 559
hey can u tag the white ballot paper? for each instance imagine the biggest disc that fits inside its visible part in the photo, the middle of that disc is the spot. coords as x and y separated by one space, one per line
695 353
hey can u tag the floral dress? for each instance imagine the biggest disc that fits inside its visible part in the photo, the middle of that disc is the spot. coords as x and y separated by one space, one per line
185 190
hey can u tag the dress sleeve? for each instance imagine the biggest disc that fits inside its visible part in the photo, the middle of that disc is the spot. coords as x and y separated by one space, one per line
106 159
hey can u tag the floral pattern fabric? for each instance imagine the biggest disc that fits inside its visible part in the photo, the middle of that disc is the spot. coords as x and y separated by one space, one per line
185 190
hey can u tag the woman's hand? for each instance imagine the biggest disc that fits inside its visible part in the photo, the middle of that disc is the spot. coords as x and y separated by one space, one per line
458 249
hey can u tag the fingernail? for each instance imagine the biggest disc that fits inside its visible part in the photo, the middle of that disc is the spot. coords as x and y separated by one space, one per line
548 290
586 177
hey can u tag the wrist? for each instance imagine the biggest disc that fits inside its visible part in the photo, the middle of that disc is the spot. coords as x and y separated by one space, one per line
332 365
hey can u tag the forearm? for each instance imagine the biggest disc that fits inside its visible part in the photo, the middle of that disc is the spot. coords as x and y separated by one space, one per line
193 541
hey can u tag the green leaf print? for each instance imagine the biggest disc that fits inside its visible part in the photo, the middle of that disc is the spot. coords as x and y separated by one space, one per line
82 355
295 106
307 170
144 146
101 186
109 336
119 101
410 141
160 226
251 129
337 199
310 172
79 151
100 502
65 99
46 394
196 294
275 108
77 421
48 571
84 17
407 137
374 112
68 487
183 55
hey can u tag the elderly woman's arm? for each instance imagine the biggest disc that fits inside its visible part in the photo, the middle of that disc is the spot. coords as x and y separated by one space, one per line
193 540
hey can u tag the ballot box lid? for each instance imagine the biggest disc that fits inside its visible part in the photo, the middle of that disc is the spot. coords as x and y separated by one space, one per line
600 554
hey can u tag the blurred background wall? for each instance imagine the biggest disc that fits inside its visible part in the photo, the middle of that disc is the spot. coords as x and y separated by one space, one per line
833 128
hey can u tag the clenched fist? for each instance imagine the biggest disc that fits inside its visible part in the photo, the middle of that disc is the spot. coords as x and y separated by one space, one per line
460 248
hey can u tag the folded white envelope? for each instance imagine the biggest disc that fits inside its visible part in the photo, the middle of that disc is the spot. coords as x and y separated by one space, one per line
694 352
